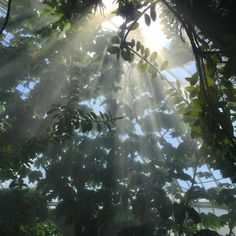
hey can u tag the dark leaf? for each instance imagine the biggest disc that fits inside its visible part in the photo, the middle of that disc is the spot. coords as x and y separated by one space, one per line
153 13
126 55
147 19
138 46
115 40
194 215
113 50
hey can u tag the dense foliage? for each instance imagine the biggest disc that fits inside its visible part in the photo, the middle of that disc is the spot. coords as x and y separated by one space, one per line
108 141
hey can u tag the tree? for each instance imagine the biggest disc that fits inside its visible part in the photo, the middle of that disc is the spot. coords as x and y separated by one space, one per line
212 40
123 174
211 89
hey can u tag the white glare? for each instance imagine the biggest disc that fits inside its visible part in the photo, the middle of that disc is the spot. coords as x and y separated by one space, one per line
110 5
154 36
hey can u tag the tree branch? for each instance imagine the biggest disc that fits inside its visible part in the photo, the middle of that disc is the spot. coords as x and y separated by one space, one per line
136 21
156 69
6 18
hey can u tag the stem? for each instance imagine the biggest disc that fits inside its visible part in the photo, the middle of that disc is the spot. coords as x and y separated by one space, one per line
136 20
6 18
156 69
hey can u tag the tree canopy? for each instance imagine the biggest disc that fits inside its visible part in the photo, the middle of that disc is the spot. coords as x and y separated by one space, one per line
95 139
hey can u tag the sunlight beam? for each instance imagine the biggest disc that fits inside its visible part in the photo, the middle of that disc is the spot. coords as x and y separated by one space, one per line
154 36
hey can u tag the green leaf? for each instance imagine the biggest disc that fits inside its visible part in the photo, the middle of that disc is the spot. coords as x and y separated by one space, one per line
147 19
113 50
115 40
126 55
164 65
153 13
153 56
142 49
193 80
169 91
147 52
178 84
192 90
210 221
142 67
135 26
94 115
138 46
196 132
45 11
132 43
210 81
67 26
183 176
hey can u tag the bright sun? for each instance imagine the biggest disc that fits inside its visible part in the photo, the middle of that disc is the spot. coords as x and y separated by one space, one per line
152 35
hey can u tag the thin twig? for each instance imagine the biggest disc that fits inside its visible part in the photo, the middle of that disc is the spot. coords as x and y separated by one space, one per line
156 69
6 18
136 20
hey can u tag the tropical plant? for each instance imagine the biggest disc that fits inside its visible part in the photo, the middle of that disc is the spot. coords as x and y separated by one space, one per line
62 96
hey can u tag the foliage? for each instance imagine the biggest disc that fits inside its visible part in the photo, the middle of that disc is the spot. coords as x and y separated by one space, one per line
50 103
209 107
23 212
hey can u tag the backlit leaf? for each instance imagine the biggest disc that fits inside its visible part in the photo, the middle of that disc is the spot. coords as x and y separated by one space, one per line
164 65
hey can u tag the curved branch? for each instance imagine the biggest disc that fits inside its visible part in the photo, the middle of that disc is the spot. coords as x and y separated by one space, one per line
157 70
136 20
6 18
